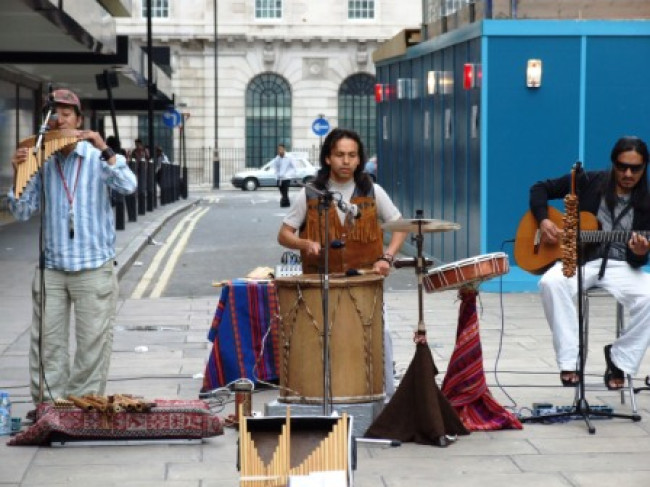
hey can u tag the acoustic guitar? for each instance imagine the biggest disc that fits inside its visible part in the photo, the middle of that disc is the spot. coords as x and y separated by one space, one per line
535 257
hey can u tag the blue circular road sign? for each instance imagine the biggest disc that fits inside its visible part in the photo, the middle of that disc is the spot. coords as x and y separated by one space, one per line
320 127
171 118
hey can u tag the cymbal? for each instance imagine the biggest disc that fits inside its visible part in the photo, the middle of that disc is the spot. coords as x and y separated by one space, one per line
420 225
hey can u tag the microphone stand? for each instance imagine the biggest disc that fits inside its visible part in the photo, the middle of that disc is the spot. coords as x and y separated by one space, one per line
325 200
581 406
39 152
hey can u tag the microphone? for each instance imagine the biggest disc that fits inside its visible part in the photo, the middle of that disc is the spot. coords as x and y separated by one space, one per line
50 97
349 208
309 187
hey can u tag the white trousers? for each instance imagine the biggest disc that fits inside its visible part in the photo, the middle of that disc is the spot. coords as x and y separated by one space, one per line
389 376
630 287
93 295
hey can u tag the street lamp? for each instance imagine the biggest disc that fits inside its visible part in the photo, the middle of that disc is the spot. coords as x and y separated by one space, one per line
215 156
151 89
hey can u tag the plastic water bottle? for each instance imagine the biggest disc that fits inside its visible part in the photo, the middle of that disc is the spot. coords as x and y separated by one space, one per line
5 413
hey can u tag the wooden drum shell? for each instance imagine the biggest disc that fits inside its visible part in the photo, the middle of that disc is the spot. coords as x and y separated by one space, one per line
356 339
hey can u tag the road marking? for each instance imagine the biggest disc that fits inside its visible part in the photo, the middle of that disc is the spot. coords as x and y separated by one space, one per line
140 289
173 258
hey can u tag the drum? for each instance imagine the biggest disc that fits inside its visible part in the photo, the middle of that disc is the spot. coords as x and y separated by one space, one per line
356 339
466 272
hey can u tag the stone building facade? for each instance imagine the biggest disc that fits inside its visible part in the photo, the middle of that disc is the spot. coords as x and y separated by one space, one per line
280 64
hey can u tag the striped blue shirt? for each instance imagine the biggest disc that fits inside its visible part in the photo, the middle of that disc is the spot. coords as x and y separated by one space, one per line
94 230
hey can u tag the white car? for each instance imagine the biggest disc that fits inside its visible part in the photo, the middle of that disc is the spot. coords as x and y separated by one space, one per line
251 179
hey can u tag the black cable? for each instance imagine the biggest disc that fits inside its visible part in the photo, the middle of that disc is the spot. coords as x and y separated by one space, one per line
500 347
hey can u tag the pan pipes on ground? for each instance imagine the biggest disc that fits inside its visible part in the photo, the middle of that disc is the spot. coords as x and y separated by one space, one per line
331 454
53 141
111 404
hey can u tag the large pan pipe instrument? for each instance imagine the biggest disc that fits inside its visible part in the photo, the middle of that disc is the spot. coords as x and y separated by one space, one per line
271 450
53 141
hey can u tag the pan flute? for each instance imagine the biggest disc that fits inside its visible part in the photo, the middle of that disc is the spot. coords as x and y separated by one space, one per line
52 141
271 450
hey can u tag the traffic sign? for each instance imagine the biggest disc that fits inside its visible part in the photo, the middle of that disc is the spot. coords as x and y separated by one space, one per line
320 127
171 118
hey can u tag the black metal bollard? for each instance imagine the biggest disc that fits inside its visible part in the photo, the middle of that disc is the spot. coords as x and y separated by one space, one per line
131 200
175 182
142 187
120 224
184 184
165 178
151 190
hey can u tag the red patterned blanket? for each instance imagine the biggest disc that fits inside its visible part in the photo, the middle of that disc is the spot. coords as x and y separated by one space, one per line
168 419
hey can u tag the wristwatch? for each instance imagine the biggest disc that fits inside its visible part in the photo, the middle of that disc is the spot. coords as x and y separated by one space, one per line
107 154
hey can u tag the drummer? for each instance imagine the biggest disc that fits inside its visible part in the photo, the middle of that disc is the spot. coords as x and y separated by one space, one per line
356 240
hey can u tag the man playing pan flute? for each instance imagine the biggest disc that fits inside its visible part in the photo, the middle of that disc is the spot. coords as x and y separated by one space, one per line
79 253
619 198
341 173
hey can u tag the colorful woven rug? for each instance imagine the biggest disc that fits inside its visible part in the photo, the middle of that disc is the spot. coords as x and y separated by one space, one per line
169 419
464 384
245 335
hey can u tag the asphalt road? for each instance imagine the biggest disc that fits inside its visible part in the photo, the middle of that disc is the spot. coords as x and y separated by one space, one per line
225 236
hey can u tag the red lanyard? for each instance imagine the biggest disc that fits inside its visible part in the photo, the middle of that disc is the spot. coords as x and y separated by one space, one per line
65 184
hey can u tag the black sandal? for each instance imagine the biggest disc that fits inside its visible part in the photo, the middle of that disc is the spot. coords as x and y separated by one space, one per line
569 378
612 373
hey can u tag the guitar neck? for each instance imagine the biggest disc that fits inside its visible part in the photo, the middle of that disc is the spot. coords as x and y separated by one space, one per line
598 236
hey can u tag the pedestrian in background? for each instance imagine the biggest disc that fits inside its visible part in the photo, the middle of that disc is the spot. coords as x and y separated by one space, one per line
285 170
161 158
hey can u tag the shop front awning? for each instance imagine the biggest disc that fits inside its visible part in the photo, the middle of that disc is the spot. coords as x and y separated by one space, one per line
44 43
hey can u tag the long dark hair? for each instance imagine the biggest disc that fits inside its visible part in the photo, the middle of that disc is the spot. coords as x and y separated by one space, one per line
639 196
361 179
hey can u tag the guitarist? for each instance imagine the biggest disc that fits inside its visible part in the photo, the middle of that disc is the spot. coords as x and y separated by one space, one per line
619 198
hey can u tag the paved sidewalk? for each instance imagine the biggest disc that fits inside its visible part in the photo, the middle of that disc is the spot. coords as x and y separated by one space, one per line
550 455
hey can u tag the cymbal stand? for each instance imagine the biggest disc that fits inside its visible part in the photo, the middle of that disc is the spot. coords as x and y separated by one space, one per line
420 269
420 263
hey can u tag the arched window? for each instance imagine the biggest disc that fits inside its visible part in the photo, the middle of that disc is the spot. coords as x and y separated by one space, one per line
268 117
357 108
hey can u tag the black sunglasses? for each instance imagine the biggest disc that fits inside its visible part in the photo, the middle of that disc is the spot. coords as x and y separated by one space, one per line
624 166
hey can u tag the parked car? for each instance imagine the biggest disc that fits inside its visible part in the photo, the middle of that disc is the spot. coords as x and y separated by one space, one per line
251 179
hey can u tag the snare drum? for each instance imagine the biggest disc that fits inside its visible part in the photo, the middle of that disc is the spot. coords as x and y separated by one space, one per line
466 272
356 339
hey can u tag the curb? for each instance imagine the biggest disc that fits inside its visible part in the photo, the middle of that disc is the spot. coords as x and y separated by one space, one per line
128 255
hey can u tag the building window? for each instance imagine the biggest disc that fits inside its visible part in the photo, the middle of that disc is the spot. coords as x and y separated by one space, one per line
357 108
159 9
361 9
268 118
268 9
